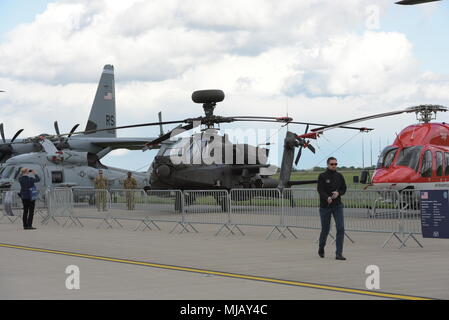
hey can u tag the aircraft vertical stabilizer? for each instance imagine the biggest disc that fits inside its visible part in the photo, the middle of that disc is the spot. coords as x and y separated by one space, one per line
102 114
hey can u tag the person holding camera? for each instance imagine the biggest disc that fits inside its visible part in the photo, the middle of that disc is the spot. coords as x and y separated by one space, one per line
331 186
28 194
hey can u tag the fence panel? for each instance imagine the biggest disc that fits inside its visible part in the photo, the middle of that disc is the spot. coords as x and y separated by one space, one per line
60 202
301 208
128 199
206 206
411 211
11 206
256 207
164 205
91 203
372 211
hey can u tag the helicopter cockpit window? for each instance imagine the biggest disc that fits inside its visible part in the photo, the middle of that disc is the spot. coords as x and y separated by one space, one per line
177 148
194 147
439 158
7 172
446 160
426 169
16 174
409 157
386 158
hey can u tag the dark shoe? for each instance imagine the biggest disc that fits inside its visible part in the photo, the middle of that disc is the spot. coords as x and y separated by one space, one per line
32 228
321 252
340 257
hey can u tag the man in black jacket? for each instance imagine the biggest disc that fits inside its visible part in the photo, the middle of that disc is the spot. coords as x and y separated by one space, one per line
331 186
26 183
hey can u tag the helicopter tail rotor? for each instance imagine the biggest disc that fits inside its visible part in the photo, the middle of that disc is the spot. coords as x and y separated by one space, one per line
298 156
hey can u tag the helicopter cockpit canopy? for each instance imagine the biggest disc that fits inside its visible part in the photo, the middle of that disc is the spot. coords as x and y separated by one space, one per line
7 172
386 157
194 149
409 157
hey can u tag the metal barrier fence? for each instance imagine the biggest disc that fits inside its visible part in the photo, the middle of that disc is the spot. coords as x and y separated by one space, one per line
11 206
91 204
206 206
12 209
409 203
60 204
255 207
388 211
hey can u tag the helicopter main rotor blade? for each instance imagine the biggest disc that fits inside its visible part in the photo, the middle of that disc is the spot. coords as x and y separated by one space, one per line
171 134
281 120
127 127
412 2
375 116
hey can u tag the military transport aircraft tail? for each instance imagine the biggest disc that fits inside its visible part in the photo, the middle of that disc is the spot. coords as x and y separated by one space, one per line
102 114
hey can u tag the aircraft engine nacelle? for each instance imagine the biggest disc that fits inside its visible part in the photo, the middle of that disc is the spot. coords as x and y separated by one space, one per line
69 157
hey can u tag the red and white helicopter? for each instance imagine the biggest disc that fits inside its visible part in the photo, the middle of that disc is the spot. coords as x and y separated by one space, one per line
417 159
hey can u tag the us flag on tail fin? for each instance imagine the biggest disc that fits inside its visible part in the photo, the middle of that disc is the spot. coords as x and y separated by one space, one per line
108 96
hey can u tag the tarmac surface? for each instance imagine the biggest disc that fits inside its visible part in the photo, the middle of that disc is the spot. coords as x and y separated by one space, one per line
126 264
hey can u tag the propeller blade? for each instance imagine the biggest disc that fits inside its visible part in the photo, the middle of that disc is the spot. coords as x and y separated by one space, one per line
16 135
2 133
57 128
73 129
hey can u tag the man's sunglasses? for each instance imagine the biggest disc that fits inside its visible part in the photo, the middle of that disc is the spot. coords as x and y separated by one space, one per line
333 164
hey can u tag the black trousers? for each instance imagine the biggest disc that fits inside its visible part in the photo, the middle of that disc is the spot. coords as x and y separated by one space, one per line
28 212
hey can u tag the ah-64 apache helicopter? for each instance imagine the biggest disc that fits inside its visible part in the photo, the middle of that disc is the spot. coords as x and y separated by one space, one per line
209 160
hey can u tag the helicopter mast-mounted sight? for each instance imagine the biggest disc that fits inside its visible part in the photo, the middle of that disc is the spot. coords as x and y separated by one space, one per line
427 112
209 99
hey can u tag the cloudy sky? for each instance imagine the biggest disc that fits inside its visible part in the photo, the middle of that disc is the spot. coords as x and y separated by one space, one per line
317 60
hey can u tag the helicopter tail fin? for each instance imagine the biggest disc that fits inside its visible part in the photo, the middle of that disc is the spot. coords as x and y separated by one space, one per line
102 113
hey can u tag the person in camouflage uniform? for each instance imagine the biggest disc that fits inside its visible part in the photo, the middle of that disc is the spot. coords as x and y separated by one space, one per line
130 183
100 184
